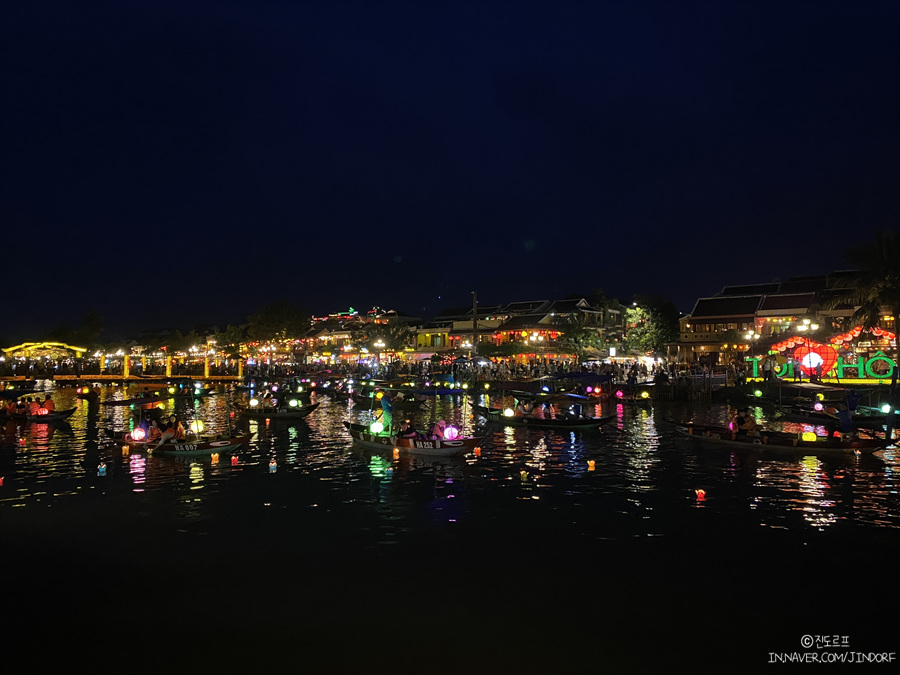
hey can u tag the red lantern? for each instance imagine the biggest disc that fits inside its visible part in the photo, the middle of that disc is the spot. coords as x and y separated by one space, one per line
813 353
877 331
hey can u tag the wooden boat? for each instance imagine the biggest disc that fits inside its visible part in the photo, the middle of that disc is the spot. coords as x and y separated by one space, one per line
565 422
774 441
808 414
279 413
436 448
190 447
55 416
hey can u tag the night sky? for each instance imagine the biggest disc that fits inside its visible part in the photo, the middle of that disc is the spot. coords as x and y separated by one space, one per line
179 163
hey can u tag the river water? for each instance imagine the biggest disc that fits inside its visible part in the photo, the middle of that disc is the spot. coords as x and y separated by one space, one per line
549 551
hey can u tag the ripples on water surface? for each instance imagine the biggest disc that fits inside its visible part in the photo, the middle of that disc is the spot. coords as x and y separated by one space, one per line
633 467
502 533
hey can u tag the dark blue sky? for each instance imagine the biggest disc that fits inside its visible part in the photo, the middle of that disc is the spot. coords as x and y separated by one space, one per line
337 154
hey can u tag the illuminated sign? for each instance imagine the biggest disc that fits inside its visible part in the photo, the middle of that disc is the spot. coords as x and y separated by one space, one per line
864 368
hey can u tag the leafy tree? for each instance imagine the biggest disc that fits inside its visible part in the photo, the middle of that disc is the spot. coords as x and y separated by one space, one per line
578 331
876 282
651 324
277 321
394 334
230 339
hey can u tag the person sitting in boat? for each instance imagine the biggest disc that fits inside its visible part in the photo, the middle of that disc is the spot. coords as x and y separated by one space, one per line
154 433
407 430
740 419
749 427
34 408
168 435
21 407
522 410
11 408
48 404
437 431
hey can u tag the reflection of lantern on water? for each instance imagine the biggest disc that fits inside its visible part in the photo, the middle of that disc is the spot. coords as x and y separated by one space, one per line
234 460
701 494
214 457
590 465
273 466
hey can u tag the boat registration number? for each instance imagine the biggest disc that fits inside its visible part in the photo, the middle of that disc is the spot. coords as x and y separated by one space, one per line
185 448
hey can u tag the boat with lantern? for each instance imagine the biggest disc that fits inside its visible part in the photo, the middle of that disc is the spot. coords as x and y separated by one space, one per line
820 413
365 436
565 420
289 413
48 416
193 446
775 441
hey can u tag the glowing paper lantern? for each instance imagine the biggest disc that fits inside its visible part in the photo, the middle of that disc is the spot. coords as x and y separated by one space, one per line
487 386
818 406
589 389
757 393
273 466
171 390
254 402
138 434
808 436
214 457
478 452
451 433
379 395
234 460
886 408
619 393
197 426
101 469
509 412
274 387
820 397
645 394
293 403
590 465
701 494
376 427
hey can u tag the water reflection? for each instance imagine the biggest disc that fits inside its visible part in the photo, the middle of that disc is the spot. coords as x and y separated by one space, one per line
630 478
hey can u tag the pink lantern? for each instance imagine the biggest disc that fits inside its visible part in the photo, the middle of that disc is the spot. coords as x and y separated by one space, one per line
619 394
451 433
138 434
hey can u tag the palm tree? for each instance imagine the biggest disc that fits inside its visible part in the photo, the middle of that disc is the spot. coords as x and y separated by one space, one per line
876 282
